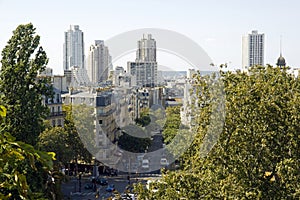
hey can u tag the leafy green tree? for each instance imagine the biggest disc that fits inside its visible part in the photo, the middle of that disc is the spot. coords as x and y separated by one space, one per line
15 158
133 144
56 140
144 119
257 153
172 125
80 131
22 92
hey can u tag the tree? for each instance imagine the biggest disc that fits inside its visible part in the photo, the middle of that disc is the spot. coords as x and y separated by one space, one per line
56 140
134 144
15 157
80 131
257 153
172 124
21 90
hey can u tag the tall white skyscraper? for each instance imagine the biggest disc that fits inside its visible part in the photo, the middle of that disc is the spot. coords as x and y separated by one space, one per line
99 62
146 51
73 48
253 49
144 69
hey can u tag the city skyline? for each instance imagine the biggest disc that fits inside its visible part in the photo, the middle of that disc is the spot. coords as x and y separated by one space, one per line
216 26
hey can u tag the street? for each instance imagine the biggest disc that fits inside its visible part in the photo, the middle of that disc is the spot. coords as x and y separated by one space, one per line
71 188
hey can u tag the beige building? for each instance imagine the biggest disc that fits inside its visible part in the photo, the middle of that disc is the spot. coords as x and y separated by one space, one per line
105 126
56 117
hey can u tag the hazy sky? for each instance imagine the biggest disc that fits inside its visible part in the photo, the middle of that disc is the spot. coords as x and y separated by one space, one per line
216 25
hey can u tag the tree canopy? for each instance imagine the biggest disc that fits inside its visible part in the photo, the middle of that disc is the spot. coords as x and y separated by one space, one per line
21 91
25 173
257 153
15 160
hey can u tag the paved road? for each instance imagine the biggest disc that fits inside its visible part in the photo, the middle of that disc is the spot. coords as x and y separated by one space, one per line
71 189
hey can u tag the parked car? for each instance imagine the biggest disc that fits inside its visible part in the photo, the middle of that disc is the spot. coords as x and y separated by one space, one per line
110 188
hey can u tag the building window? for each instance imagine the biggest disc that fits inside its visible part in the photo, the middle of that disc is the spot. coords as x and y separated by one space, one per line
57 98
100 121
91 100
53 122
59 122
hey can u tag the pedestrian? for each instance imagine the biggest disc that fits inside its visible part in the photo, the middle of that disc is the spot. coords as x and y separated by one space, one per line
128 179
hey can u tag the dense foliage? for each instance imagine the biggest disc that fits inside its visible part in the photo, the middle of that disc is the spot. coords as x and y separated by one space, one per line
172 123
25 173
257 153
66 141
133 144
21 91
18 162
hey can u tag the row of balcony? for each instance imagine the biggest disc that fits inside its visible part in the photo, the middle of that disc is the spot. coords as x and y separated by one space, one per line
56 114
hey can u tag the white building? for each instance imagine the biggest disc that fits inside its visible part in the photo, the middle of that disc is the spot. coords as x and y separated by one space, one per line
56 117
47 72
76 77
144 69
73 48
60 82
99 62
253 49
146 51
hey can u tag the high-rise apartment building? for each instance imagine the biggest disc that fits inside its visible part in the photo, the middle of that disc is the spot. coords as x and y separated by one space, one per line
99 62
144 69
73 48
253 49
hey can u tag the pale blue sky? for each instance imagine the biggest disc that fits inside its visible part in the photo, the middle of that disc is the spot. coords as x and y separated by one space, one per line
217 26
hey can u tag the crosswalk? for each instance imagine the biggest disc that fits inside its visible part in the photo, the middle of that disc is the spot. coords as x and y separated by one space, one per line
83 193
89 195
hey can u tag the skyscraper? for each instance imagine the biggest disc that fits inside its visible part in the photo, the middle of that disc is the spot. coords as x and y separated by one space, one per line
99 62
73 48
253 46
144 69
146 51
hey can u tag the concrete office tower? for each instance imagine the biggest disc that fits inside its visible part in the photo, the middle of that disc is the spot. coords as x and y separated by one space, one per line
253 49
144 69
99 62
146 49
73 48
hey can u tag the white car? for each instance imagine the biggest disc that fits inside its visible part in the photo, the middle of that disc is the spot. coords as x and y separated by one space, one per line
164 162
145 164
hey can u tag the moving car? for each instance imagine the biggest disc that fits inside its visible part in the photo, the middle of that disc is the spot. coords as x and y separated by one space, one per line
164 162
145 164
110 188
